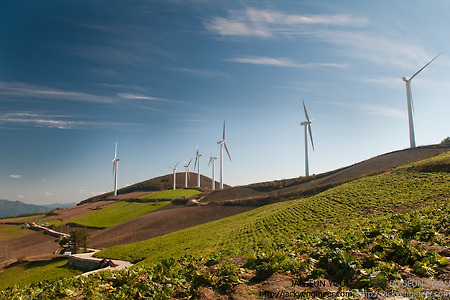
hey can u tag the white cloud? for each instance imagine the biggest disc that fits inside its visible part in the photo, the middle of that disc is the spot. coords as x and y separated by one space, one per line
282 62
130 96
373 109
205 74
15 176
21 196
268 23
44 120
84 192
385 50
20 89
48 194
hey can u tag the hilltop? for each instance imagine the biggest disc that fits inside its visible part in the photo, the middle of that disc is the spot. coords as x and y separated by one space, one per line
160 183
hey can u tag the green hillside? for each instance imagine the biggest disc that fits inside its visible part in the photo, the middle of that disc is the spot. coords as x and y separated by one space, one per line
405 188
117 213
360 236
171 194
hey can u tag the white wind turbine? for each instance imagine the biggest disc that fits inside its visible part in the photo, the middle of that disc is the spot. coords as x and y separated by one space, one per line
409 103
115 162
174 175
212 159
197 159
307 125
186 173
222 143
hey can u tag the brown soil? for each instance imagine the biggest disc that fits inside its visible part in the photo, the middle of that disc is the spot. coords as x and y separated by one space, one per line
371 166
34 244
77 211
127 196
159 223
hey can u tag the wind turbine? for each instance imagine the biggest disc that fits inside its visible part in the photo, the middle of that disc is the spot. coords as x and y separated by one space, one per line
222 143
186 173
197 159
115 162
174 175
409 103
212 159
307 125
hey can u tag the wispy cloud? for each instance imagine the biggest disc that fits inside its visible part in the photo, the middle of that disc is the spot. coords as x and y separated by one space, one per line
269 23
19 89
15 176
44 120
349 34
373 109
385 50
48 194
131 96
205 74
282 62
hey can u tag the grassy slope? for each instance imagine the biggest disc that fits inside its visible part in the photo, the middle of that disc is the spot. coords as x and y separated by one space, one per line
171 194
281 223
29 272
278 238
117 213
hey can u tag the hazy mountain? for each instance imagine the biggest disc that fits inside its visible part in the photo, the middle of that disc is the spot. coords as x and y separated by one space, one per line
15 208
60 205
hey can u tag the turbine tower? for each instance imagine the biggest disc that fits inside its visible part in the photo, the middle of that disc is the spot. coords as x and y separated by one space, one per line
197 159
115 162
222 143
174 175
186 173
212 159
409 103
307 125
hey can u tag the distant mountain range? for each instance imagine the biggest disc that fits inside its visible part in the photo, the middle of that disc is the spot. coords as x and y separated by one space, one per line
15 208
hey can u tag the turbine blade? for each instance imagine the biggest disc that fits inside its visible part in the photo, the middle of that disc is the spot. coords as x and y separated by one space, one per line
210 159
424 66
115 151
176 165
306 114
387 74
223 139
189 162
225 144
195 164
310 136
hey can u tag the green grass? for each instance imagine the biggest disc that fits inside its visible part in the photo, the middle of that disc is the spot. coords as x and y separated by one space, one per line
30 272
171 194
360 235
117 213
280 223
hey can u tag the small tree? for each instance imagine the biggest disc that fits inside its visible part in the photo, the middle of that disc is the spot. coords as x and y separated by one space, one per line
78 239
446 140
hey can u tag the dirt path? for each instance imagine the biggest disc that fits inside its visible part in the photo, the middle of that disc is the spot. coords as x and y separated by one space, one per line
117 264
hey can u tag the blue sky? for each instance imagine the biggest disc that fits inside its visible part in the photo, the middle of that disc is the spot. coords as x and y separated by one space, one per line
160 77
